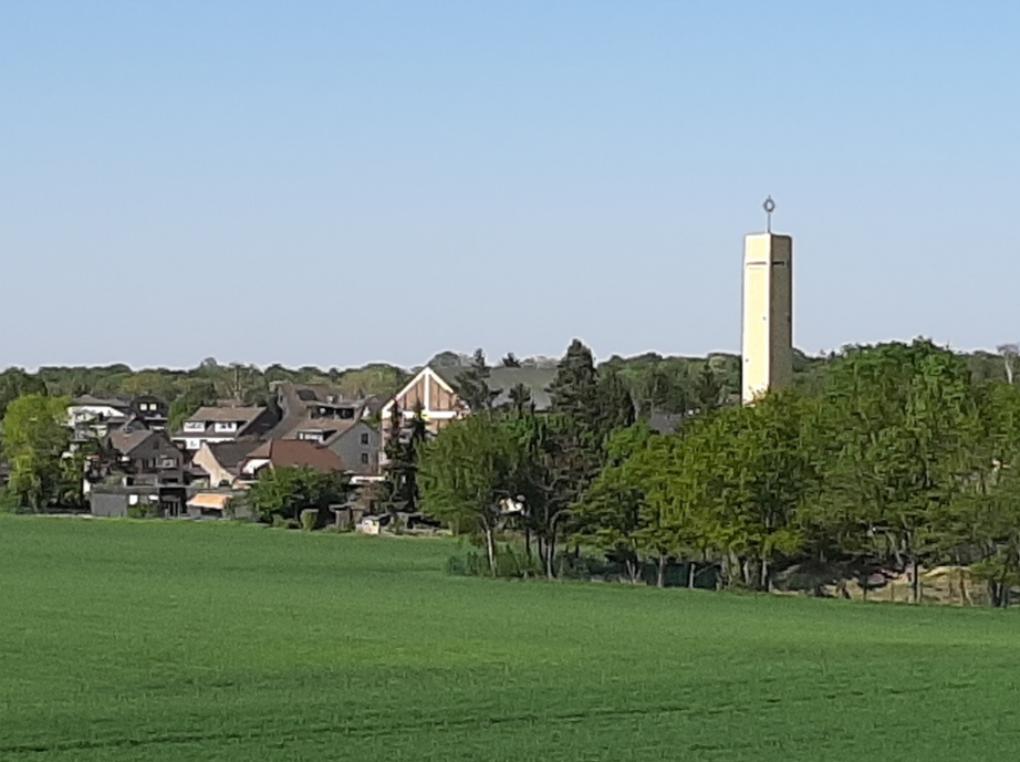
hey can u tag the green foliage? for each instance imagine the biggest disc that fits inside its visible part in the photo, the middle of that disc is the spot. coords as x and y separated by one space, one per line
142 511
286 492
193 395
472 384
309 519
35 437
14 383
467 473
399 490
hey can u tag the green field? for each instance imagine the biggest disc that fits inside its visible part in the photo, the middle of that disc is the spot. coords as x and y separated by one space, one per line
175 641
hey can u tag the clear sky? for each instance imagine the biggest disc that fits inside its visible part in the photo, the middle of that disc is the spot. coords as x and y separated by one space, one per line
332 183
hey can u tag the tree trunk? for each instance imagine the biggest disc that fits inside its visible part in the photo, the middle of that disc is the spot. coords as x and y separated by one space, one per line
691 567
764 580
527 543
490 549
660 576
550 558
916 580
745 572
630 567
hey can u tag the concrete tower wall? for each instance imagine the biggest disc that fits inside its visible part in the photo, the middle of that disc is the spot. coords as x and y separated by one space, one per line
768 314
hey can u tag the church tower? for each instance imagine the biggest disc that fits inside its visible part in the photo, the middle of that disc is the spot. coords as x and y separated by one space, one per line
768 311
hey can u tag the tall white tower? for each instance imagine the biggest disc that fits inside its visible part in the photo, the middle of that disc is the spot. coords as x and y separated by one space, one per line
768 311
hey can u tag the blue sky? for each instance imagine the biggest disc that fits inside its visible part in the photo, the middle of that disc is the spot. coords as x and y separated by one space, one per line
332 183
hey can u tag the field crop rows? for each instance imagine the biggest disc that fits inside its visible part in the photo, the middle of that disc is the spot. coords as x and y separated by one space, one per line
173 641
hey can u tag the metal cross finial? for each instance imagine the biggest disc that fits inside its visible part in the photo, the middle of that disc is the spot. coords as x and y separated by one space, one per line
769 206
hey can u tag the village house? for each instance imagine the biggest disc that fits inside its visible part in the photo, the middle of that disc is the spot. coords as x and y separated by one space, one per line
92 417
355 441
223 424
138 450
151 411
298 402
218 464
437 390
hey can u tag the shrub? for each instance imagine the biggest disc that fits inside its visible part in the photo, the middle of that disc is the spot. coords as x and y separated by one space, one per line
455 565
142 511
282 522
10 502
511 563
309 519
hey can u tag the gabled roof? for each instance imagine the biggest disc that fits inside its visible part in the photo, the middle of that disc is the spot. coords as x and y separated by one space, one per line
230 454
243 415
331 428
88 399
298 453
126 440
501 380
535 380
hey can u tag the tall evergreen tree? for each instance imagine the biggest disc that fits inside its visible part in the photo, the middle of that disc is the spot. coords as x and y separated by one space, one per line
473 385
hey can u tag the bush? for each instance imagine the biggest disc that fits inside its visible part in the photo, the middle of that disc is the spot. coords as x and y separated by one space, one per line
511 563
455 566
142 511
10 502
282 522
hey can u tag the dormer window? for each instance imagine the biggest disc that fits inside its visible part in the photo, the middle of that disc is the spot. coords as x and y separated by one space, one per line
225 427
194 425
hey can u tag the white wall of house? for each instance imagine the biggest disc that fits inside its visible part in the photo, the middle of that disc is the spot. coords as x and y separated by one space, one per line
86 413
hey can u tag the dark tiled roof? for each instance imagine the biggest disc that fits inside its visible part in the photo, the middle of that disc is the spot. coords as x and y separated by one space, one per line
332 428
243 415
296 452
230 454
125 440
501 380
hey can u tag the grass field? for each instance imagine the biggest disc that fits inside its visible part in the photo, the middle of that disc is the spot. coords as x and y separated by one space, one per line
175 641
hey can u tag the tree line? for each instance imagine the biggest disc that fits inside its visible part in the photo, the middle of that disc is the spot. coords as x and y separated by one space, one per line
895 457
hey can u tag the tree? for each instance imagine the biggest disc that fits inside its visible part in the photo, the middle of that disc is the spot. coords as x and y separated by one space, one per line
614 402
14 382
1009 354
466 475
609 515
897 422
399 490
707 389
520 399
472 384
574 390
35 439
195 394
510 361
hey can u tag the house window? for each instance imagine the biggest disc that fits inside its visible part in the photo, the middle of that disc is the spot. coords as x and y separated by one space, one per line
364 458
364 439
225 427
194 425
